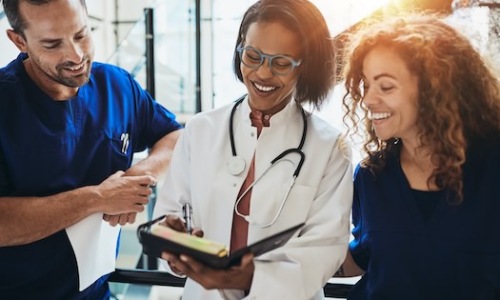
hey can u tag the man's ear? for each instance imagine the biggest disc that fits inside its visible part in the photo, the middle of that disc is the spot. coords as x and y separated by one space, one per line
17 39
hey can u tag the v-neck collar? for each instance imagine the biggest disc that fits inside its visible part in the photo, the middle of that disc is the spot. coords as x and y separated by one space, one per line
408 196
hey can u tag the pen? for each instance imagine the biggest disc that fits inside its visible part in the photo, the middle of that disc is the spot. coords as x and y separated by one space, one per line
125 142
187 212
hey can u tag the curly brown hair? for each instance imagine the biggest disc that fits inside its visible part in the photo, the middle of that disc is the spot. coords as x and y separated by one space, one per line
459 95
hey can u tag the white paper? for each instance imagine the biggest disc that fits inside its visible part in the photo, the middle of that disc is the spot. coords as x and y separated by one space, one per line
94 242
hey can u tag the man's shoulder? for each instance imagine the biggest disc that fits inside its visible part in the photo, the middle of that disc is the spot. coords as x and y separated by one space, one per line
100 69
8 78
9 74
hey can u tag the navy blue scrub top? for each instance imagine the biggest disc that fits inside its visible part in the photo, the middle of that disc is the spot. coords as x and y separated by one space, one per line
454 253
48 146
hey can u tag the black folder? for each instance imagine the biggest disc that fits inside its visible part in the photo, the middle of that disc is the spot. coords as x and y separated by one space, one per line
154 245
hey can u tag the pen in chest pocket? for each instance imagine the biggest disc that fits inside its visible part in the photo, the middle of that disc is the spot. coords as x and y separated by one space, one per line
125 142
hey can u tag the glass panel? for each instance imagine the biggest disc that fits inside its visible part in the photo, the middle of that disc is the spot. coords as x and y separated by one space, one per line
175 80
174 42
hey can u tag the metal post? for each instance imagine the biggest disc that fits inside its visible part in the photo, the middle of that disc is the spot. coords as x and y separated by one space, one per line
198 54
150 53
152 262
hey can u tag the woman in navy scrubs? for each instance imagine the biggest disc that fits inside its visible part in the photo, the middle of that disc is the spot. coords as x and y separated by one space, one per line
426 199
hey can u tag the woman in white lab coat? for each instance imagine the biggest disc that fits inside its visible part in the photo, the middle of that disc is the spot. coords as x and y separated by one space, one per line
222 165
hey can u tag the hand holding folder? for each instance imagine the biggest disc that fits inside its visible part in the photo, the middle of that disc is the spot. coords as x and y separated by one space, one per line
190 241
156 238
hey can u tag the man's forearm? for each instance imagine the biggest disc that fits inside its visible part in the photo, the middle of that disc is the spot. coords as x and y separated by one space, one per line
27 219
156 163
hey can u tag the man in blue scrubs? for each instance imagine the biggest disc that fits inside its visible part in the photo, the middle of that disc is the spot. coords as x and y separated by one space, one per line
68 130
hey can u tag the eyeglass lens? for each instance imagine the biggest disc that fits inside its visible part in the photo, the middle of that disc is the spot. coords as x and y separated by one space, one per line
279 64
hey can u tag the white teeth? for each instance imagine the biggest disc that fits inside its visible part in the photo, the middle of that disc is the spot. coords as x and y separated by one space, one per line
378 115
264 88
76 68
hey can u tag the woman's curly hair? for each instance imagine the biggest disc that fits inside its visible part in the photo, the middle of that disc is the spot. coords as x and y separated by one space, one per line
458 94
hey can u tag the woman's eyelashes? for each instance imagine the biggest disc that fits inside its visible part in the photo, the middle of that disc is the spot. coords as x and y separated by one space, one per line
386 89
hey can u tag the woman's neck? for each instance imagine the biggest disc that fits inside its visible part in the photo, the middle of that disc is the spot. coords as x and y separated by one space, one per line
418 166
273 110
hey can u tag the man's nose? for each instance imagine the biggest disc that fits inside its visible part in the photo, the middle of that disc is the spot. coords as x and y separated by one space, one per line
75 53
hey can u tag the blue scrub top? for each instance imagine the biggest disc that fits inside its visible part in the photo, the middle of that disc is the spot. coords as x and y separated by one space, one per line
454 254
48 146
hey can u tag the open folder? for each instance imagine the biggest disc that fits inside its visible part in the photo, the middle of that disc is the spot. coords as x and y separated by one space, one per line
156 238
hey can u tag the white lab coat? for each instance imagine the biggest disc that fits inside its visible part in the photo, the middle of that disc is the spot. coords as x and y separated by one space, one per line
321 197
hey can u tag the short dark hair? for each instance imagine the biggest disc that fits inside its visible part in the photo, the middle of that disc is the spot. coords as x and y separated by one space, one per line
317 71
16 21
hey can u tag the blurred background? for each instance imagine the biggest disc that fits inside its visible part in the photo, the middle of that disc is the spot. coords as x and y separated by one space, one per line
181 51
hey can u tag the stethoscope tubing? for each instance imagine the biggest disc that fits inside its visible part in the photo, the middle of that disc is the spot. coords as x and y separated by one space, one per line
282 154
277 159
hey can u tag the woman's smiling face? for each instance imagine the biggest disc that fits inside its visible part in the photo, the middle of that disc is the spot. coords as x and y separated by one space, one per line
390 94
265 89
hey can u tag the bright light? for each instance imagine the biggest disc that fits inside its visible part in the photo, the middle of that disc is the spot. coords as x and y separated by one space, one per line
341 14
364 8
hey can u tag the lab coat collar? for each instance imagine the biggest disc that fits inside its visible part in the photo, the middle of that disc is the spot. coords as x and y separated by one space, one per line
280 117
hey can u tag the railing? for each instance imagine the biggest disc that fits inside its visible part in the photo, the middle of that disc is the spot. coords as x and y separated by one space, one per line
150 277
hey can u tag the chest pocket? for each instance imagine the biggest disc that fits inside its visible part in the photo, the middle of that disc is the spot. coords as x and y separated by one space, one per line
299 202
296 206
81 160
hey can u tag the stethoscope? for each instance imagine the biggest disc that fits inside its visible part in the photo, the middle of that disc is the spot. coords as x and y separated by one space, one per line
236 165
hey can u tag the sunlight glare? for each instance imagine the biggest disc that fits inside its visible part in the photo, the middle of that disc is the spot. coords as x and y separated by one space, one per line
341 14
366 7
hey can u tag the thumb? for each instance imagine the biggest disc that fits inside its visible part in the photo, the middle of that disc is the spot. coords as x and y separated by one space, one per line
247 259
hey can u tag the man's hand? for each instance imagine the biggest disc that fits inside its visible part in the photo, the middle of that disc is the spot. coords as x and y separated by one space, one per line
121 219
123 196
155 164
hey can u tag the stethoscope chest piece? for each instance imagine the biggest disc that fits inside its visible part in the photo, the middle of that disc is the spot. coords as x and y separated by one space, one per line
235 165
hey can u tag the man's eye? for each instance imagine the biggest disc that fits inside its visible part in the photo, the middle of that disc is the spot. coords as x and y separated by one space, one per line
80 37
51 46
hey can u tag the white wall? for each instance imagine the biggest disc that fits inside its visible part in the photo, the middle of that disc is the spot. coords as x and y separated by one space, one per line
9 51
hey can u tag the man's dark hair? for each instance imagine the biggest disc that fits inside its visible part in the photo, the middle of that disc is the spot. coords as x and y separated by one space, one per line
16 21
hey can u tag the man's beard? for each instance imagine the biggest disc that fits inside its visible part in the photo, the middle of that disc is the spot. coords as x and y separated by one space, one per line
72 81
